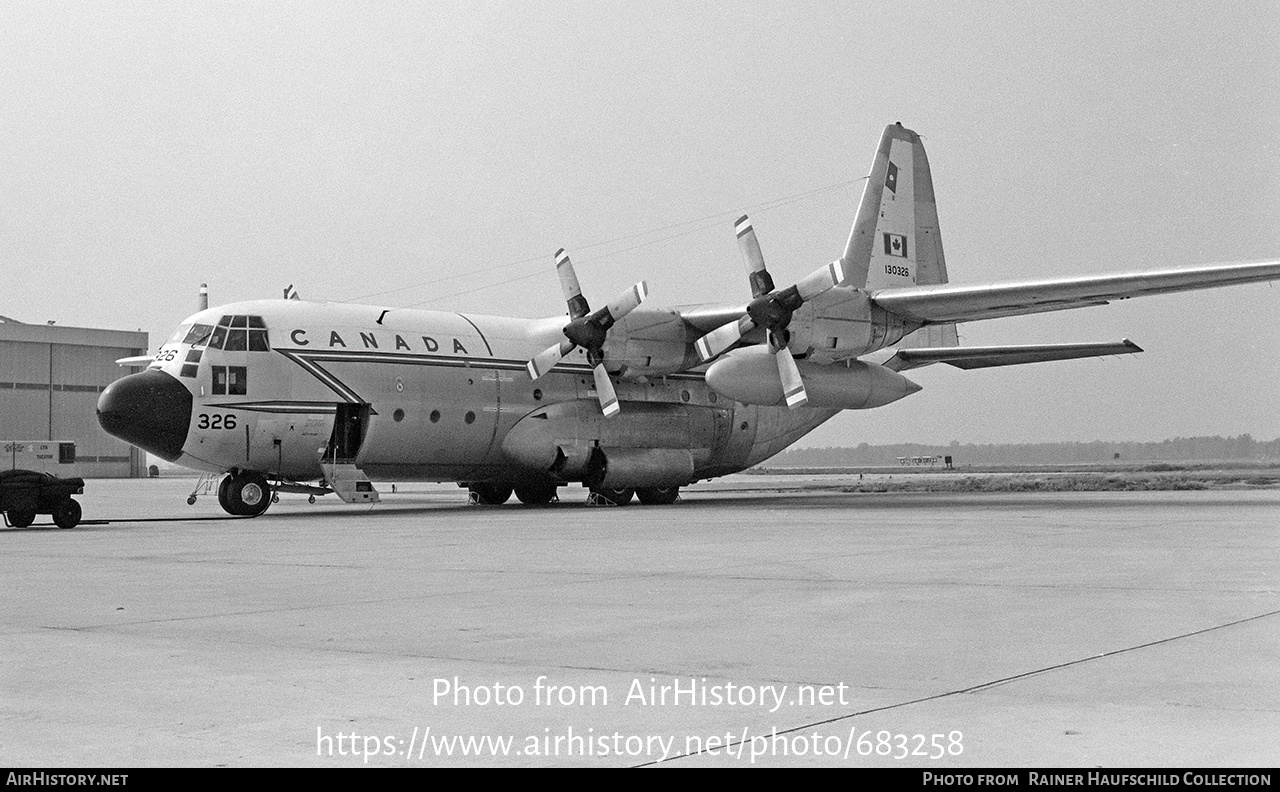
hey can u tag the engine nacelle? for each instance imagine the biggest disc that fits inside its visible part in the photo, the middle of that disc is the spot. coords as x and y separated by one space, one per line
649 342
751 376
843 323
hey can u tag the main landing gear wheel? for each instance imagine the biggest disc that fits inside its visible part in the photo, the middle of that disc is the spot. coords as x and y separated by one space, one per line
490 494
536 494
245 494
66 514
658 496
616 497
21 519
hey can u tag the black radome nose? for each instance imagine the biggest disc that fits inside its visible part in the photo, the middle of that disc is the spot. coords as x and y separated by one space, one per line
150 410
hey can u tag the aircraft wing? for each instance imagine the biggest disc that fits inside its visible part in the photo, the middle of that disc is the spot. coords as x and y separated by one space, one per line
947 302
987 356
704 318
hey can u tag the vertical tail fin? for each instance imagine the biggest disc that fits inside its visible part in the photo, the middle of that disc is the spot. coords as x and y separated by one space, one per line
895 240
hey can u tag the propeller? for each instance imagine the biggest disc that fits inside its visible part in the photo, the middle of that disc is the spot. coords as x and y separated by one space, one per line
771 310
587 330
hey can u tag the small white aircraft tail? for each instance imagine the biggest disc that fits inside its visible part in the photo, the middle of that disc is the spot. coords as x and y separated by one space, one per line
895 240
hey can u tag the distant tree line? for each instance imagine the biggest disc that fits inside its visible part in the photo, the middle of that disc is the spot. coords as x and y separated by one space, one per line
1179 449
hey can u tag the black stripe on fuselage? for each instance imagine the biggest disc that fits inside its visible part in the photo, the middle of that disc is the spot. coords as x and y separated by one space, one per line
308 362
307 356
291 407
488 348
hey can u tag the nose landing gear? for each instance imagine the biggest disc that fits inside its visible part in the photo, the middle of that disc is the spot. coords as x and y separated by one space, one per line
245 494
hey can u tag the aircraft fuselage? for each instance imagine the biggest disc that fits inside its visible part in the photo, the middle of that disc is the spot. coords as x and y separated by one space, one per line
435 396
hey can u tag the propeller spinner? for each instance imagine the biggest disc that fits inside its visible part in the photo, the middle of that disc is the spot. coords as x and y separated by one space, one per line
771 310
587 330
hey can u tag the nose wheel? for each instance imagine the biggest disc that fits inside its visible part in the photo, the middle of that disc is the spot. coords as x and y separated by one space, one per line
245 494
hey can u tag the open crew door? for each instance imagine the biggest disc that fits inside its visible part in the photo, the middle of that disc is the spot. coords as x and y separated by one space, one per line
349 427
349 482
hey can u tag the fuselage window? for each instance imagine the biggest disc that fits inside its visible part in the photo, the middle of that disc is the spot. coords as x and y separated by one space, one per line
219 380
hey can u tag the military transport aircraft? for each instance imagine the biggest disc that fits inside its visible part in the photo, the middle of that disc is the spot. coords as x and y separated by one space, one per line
627 399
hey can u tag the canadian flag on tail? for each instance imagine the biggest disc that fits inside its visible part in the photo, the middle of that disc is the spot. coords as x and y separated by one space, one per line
895 245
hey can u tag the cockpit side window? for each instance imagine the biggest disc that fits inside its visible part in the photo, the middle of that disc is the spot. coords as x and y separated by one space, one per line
230 380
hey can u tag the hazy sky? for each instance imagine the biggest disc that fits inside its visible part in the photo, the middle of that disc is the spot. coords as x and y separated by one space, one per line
437 154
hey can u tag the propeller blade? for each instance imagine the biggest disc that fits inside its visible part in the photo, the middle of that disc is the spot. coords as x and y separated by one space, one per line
717 341
761 282
792 386
820 280
604 389
625 303
545 360
569 285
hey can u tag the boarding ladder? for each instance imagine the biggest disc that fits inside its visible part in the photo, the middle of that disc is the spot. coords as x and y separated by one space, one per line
349 482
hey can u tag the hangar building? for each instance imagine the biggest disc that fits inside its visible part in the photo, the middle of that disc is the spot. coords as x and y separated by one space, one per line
50 378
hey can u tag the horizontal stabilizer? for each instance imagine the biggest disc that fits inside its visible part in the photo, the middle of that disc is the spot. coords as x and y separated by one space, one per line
988 356
137 360
949 302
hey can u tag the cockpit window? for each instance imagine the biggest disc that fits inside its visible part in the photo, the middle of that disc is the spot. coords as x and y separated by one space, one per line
179 334
198 335
230 380
239 334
